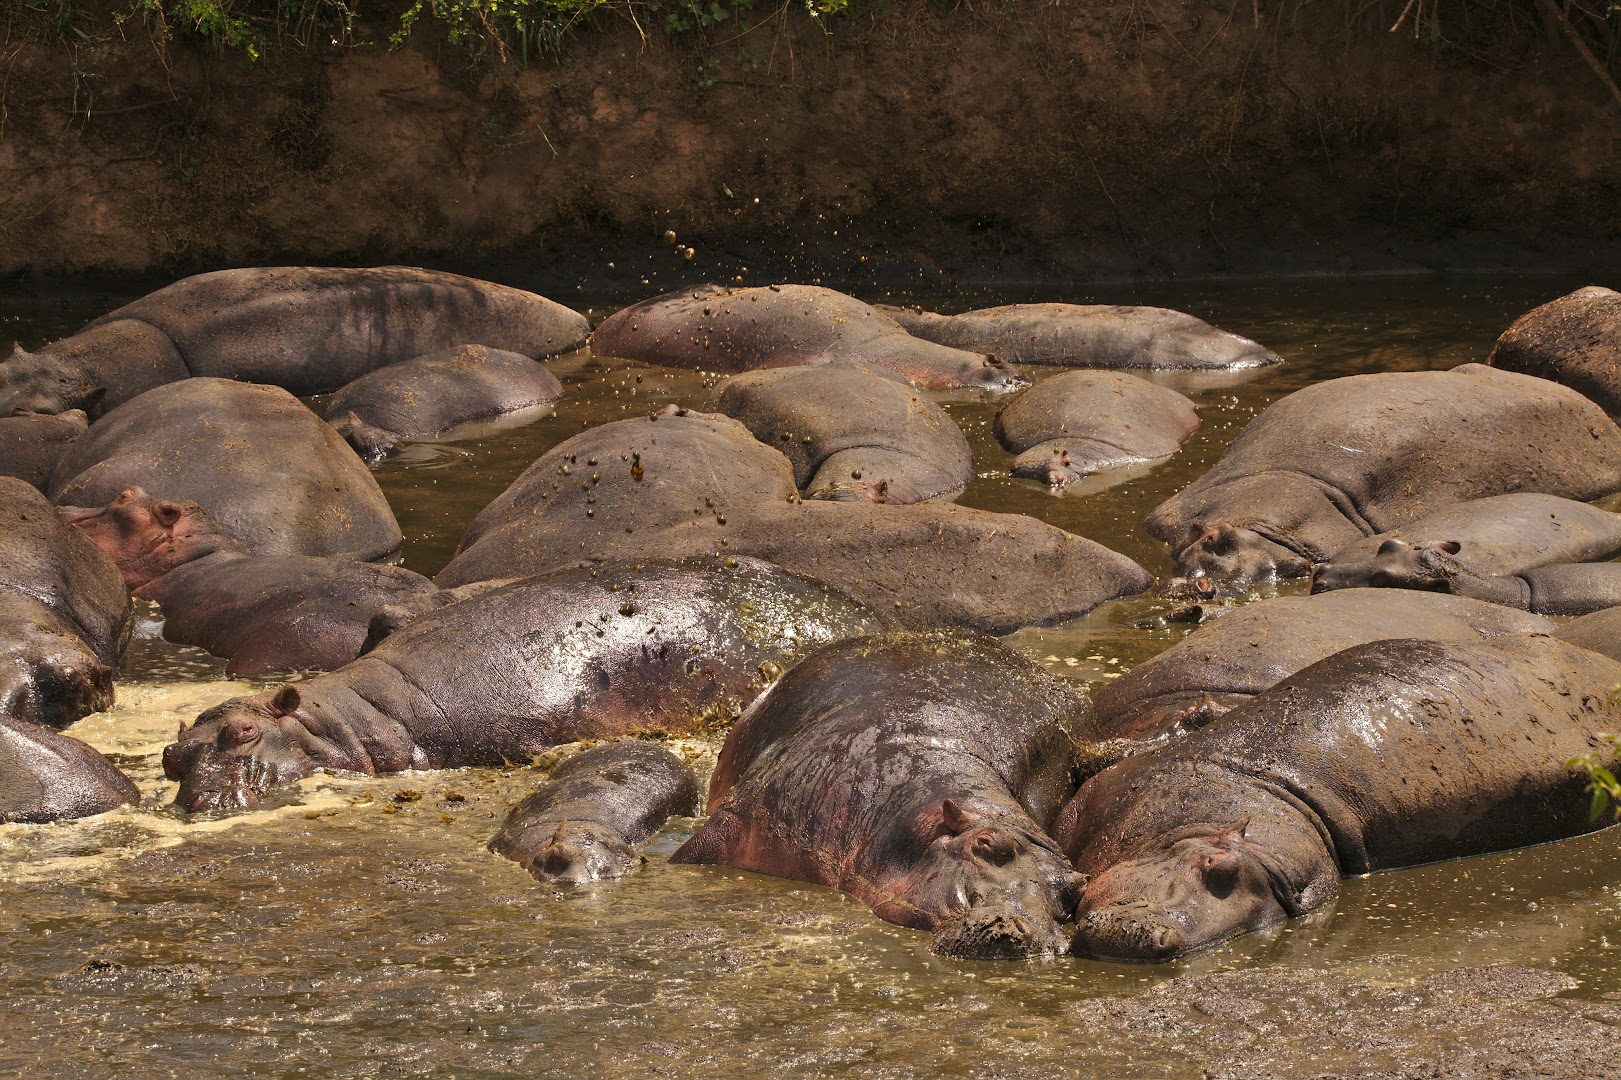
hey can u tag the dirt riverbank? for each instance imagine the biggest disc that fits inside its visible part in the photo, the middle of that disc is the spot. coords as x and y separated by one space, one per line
951 143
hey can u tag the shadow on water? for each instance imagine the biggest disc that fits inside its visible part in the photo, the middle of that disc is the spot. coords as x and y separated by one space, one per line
361 929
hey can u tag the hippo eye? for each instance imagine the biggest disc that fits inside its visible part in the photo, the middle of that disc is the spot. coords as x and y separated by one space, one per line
238 732
998 851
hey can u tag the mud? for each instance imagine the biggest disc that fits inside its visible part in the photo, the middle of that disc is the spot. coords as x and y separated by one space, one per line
997 142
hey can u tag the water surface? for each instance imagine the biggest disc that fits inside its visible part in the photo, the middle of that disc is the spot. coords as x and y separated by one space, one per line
359 928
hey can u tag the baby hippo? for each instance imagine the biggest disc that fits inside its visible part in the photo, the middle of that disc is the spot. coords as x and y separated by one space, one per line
261 612
433 393
915 772
585 824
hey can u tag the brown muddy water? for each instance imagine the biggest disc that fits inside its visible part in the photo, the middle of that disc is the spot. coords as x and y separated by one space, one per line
363 930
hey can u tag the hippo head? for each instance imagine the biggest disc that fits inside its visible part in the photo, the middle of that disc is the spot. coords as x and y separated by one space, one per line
1227 560
54 679
897 492
996 887
936 367
239 750
1397 564
1183 891
31 382
580 852
148 537
370 442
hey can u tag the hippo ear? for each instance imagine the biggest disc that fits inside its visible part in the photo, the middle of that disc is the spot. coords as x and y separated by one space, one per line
1445 547
167 513
1232 832
285 702
129 495
1196 532
957 820
181 734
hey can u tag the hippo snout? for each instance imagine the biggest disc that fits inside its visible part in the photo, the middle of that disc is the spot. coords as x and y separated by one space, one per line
1129 931
578 856
998 935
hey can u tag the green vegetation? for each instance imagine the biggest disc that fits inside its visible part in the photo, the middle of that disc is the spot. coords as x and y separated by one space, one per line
1599 767
498 31
529 31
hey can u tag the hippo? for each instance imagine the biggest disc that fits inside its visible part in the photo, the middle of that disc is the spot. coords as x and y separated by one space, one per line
1388 754
276 479
1599 631
1574 340
430 394
1230 661
853 434
712 328
1065 428
306 329
914 772
64 614
683 483
584 825
1533 552
657 648
1350 457
1088 336
31 443
92 371
261 612
47 776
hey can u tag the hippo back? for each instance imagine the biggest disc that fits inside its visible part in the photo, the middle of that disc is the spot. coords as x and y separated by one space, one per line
311 329
275 478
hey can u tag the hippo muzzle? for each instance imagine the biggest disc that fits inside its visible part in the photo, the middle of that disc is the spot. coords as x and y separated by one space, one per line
1000 933
1132 930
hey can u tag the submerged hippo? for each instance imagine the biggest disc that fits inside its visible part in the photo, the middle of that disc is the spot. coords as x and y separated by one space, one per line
913 771
430 394
1533 552
711 328
1388 754
661 648
683 483
1229 662
1089 335
1351 457
31 443
853 434
260 612
306 329
595 809
1574 340
1065 428
276 479
48 776
64 614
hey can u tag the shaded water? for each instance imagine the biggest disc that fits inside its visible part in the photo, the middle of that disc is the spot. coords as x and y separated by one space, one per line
360 928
